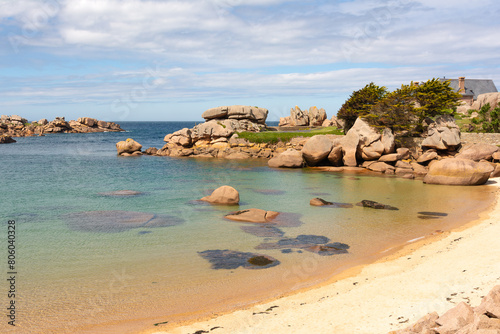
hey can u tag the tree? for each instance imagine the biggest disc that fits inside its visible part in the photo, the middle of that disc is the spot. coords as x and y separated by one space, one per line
396 110
436 97
488 119
360 103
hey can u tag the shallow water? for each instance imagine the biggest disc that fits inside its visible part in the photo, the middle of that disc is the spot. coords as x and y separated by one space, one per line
89 262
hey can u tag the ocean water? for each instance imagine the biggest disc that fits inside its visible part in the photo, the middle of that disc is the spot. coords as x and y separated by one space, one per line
87 262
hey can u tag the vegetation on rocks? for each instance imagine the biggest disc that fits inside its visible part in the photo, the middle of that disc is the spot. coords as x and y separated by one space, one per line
274 137
488 119
403 109
360 104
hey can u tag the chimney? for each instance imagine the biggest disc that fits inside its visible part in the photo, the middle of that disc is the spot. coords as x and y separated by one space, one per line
461 85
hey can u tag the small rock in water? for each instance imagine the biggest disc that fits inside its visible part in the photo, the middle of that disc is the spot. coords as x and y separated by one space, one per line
319 202
429 213
228 259
375 205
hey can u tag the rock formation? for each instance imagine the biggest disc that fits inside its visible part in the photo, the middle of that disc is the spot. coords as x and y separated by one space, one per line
6 140
478 152
312 117
225 195
317 149
492 98
458 172
289 159
462 318
16 126
217 135
128 147
443 134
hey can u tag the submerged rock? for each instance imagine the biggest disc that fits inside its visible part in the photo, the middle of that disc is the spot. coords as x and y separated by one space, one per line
312 243
269 192
253 216
263 230
375 205
228 259
117 221
119 193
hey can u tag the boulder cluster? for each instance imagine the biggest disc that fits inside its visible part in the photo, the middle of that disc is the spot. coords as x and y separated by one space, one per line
17 126
438 158
311 117
462 319
217 136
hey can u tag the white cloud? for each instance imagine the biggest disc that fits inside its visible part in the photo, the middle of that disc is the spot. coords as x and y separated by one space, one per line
224 48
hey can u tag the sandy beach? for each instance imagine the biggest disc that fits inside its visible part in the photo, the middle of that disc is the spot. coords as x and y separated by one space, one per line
432 274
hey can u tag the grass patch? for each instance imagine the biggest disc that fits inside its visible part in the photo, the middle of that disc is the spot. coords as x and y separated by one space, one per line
463 123
274 137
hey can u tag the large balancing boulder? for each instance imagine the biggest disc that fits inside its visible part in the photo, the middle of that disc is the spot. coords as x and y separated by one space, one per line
317 149
462 172
225 195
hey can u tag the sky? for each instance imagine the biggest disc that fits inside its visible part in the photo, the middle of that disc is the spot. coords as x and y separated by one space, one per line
146 60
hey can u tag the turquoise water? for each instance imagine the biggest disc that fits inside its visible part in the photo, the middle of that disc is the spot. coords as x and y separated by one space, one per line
99 277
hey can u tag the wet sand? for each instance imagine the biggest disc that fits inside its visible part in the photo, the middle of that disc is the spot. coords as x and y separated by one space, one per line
429 274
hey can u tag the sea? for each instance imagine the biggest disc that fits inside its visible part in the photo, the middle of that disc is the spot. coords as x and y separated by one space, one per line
84 259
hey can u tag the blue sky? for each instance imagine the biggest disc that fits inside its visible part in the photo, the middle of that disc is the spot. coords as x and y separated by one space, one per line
171 60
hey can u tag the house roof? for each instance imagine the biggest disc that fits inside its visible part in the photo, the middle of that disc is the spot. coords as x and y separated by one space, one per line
474 87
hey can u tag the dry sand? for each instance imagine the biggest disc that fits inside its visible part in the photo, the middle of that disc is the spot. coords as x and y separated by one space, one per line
426 276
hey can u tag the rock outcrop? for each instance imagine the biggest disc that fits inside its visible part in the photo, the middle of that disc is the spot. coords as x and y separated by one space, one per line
16 126
462 318
128 147
6 140
311 117
217 136
225 195
492 98
442 134
253 114
458 172
478 152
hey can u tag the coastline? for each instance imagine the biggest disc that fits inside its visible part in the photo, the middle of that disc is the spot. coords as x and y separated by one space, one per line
394 291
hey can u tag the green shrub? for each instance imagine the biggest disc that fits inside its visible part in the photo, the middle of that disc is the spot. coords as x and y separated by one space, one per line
488 119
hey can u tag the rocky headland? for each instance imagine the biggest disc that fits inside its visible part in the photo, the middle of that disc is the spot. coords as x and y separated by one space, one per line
17 126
